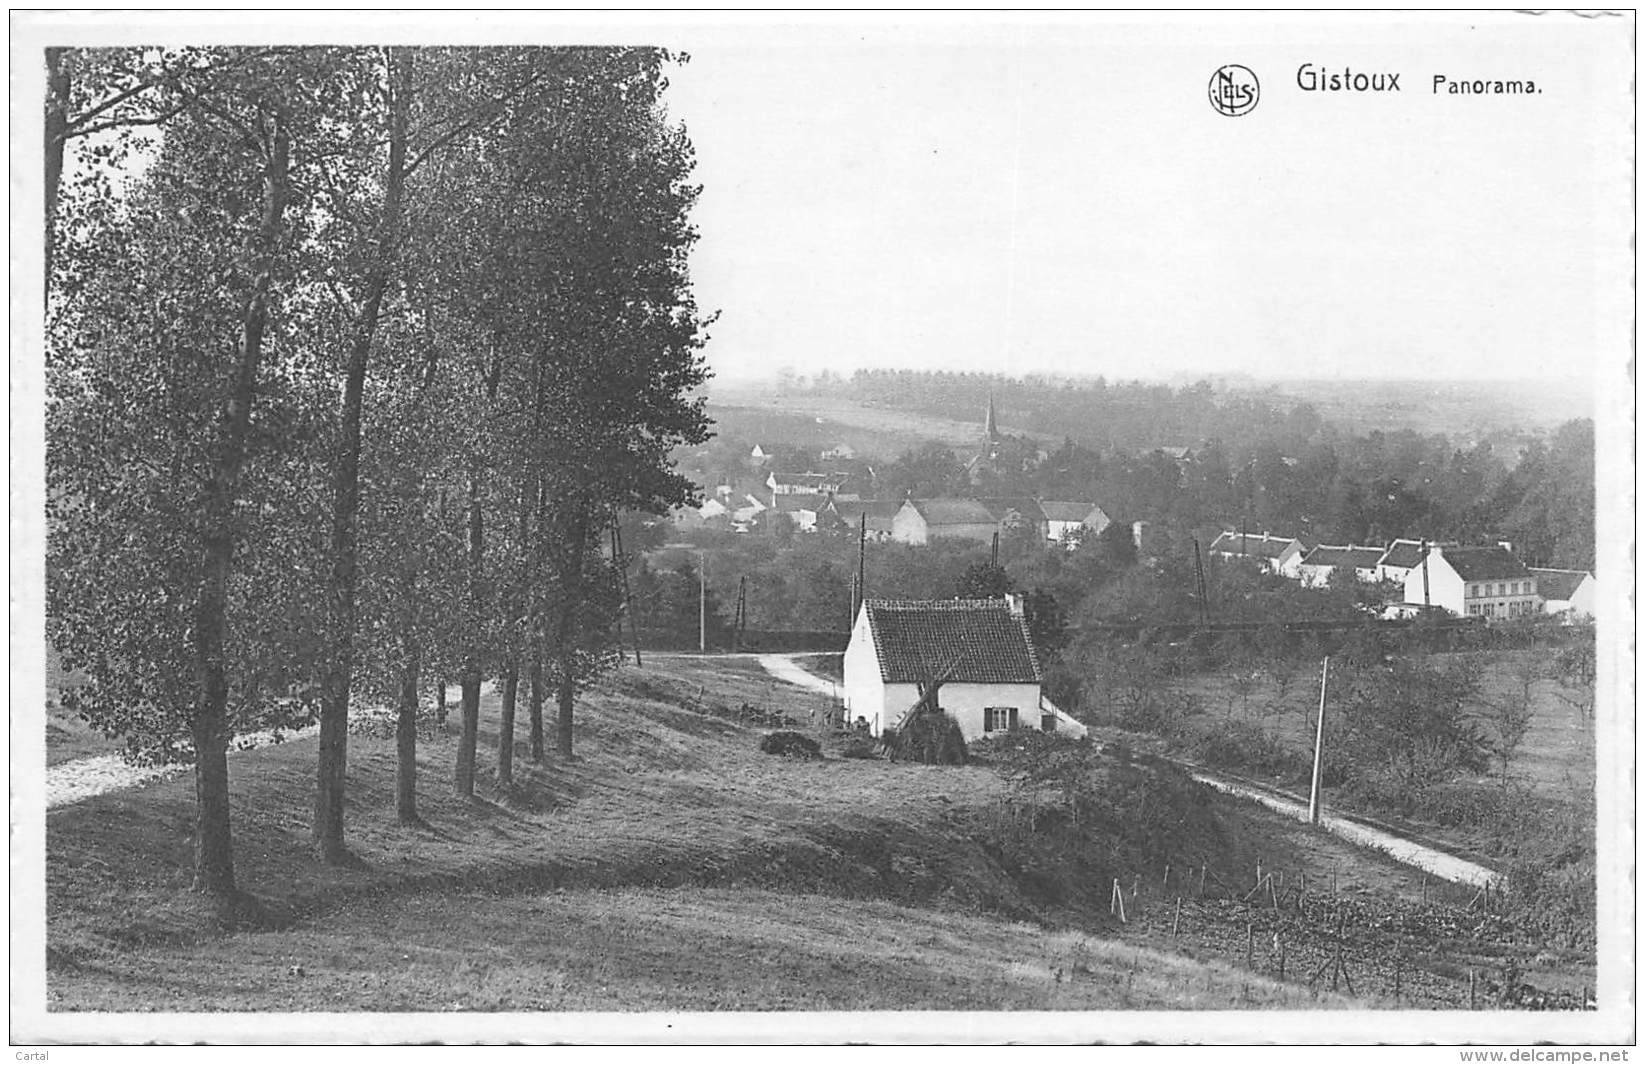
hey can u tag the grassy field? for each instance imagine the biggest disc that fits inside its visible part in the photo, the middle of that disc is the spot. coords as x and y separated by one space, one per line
670 866
824 421
668 949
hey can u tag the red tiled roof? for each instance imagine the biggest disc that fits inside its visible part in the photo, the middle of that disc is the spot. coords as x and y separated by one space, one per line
879 511
1558 584
982 638
1407 554
953 512
1028 509
1483 563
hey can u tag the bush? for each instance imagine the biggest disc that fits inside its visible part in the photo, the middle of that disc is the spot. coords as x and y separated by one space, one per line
932 739
1242 746
857 745
790 745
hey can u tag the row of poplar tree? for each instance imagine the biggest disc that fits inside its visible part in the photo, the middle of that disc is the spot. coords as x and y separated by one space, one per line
353 356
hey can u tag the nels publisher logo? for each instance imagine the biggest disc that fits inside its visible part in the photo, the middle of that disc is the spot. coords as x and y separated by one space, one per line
1234 90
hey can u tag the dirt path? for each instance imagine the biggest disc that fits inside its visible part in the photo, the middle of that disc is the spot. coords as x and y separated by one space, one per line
1408 852
1405 851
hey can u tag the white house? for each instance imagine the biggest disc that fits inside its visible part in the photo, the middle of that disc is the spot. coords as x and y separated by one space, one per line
1317 566
1566 590
1486 582
981 647
712 508
802 484
1063 518
919 521
1277 554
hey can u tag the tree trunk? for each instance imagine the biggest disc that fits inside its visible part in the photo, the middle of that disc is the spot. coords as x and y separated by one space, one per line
568 695
214 858
539 696
469 740
213 841
571 591
440 701
405 739
59 84
332 771
468 743
505 729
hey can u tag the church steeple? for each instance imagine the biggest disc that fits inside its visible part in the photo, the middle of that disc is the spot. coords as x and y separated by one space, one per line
991 429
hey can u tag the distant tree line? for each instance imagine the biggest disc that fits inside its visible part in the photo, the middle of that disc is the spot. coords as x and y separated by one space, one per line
354 356
1253 461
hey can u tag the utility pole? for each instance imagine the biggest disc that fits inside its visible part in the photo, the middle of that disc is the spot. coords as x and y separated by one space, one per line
994 558
702 604
739 626
1199 580
862 562
1319 744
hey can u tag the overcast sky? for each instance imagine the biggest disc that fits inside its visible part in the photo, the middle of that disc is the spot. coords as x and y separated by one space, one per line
1064 198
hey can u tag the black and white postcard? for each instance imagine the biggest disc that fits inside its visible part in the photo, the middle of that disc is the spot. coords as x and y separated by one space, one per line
823 527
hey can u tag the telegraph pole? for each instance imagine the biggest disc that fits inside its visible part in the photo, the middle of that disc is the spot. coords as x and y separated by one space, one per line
1425 603
702 604
862 562
1204 596
1319 744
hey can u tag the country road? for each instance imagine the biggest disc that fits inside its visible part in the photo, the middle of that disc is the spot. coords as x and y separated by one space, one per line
1399 848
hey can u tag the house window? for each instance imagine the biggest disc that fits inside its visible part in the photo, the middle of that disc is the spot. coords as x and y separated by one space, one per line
999 718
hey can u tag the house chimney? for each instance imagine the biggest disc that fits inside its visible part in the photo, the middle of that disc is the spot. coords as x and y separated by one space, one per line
1013 600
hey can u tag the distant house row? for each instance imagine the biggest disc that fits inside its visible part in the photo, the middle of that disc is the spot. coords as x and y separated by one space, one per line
920 521
1486 581
910 521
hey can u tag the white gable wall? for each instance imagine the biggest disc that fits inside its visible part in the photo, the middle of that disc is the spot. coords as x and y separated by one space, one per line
1584 600
1445 585
864 691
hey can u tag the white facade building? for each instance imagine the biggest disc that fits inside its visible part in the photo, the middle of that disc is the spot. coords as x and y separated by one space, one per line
980 646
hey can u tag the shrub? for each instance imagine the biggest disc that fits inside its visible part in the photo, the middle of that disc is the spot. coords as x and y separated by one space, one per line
790 745
857 745
932 739
1240 745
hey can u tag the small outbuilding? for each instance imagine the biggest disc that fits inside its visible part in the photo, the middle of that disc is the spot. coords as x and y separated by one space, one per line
978 648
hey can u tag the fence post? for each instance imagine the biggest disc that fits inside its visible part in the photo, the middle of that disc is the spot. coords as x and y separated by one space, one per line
1250 943
1471 1004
